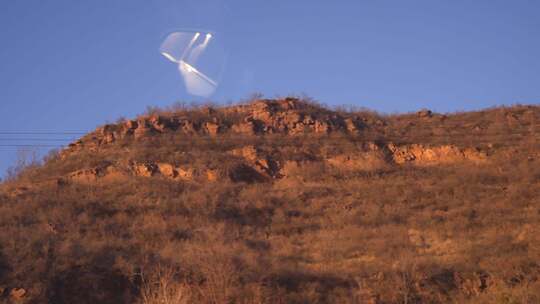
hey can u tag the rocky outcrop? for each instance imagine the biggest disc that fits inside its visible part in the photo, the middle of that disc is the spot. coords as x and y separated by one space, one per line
118 172
259 165
247 126
292 117
375 156
212 128
145 169
285 116
425 113
424 155
105 172
17 294
261 162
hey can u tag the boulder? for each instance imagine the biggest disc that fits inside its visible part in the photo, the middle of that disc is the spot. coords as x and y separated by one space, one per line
425 113
185 174
263 164
167 170
212 128
212 175
145 169
247 127
17 294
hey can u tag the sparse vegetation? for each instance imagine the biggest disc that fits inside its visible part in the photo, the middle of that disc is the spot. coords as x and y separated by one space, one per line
448 233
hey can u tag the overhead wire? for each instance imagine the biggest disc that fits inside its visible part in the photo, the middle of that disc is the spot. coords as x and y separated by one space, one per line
32 146
36 141
41 133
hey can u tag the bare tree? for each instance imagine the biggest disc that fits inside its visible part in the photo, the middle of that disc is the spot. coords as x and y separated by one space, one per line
26 158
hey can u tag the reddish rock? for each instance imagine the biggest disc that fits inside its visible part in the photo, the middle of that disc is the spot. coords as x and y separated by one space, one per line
212 128
17 294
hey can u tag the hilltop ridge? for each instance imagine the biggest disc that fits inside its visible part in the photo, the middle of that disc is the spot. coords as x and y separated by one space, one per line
286 116
247 138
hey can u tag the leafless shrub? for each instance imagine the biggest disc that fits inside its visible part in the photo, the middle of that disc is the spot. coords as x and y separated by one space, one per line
163 287
26 160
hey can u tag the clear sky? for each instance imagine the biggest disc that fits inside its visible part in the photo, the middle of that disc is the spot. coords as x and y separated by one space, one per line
71 65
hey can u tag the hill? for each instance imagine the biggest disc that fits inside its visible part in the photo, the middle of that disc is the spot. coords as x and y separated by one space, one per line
281 201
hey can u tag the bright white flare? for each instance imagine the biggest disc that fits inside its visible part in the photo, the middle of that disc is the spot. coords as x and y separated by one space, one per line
170 57
187 50
196 82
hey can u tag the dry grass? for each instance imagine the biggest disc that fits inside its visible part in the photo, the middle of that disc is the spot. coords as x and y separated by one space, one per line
458 233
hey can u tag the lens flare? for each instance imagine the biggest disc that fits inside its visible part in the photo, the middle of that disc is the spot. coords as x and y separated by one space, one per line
200 60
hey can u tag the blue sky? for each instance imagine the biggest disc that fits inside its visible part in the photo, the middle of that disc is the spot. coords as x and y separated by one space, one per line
72 65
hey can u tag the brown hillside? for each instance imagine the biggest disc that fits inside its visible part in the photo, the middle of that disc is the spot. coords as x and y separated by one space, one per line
281 201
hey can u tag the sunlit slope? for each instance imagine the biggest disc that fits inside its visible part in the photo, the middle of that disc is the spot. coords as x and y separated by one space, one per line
282 201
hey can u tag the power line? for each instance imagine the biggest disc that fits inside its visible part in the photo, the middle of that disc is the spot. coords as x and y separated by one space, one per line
36 139
32 146
42 133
